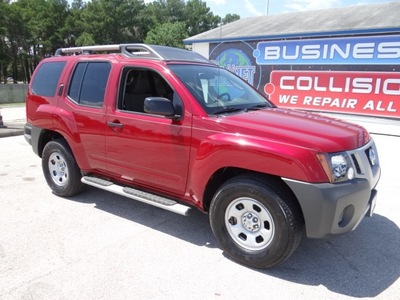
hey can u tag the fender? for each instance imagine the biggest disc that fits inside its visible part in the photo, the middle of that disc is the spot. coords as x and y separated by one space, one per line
261 155
43 115
65 124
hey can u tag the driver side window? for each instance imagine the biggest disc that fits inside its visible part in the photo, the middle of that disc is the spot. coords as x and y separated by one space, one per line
138 84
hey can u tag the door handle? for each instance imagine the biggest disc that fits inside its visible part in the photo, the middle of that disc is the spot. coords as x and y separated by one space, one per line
115 125
60 89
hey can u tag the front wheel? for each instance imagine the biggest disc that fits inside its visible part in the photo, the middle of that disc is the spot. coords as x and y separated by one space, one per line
256 222
60 169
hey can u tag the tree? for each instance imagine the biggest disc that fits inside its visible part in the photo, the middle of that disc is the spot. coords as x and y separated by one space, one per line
229 18
46 21
74 25
171 14
199 18
163 11
113 21
168 34
17 36
85 39
4 46
33 29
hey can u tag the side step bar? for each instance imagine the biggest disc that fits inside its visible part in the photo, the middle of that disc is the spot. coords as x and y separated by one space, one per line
155 200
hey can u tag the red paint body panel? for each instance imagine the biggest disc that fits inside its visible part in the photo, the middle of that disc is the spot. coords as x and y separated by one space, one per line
179 157
299 129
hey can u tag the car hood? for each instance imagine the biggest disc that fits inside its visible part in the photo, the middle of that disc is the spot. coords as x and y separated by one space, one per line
310 130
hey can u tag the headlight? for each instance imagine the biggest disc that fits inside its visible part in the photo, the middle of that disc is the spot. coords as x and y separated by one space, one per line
337 166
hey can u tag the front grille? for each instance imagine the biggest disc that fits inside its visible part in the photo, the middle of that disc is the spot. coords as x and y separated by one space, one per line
365 161
356 164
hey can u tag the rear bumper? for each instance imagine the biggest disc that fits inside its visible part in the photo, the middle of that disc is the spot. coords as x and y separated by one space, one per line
32 134
330 209
28 133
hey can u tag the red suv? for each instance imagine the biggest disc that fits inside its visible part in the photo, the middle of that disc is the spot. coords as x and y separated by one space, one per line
169 128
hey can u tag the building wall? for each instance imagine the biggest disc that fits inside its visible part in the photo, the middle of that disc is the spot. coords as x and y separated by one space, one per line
12 93
202 48
352 75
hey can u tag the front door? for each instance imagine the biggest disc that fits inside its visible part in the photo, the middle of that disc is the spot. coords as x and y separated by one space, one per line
145 149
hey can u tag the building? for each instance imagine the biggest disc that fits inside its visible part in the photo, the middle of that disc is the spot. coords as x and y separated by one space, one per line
340 60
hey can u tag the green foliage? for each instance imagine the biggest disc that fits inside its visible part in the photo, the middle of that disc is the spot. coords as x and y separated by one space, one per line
4 48
33 29
3 16
74 26
168 34
85 39
113 21
229 18
199 18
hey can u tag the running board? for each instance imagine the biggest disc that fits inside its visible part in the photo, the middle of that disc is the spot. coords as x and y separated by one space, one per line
148 198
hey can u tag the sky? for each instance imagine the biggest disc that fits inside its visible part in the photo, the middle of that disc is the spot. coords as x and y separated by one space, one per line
252 8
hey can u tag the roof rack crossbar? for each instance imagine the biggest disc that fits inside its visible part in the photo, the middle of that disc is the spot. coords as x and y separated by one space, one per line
82 49
130 50
139 51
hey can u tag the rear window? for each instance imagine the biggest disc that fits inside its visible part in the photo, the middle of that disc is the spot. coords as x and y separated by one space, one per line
46 78
88 83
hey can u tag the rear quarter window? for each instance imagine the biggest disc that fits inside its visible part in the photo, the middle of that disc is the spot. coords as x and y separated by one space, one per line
46 78
88 83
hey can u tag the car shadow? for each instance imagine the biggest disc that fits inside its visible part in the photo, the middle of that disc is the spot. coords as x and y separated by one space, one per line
362 263
194 228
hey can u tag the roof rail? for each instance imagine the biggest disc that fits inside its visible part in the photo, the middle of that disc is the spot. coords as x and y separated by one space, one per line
139 51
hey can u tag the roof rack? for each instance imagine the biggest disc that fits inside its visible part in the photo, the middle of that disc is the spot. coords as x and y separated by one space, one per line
139 51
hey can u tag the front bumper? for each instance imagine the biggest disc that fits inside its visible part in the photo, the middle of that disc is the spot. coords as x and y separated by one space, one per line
333 208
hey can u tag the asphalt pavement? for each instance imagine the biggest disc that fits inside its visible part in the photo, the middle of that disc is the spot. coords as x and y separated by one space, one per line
97 245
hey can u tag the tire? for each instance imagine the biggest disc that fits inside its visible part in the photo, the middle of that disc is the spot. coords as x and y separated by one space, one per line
60 169
256 222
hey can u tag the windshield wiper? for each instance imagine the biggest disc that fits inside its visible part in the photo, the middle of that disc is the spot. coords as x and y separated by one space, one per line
227 110
257 107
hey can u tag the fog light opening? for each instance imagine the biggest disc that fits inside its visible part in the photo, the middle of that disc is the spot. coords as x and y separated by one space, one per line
346 216
350 173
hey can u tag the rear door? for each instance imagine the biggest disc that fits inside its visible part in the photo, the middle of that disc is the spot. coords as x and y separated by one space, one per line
144 149
86 119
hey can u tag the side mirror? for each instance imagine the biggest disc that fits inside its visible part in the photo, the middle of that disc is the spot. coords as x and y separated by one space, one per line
160 106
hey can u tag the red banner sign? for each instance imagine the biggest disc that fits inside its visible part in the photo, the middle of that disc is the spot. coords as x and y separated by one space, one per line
366 93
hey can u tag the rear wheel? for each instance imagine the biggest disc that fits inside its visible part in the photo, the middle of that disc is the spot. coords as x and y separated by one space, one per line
257 223
60 169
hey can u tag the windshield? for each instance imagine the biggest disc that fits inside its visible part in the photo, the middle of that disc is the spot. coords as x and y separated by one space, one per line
218 90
